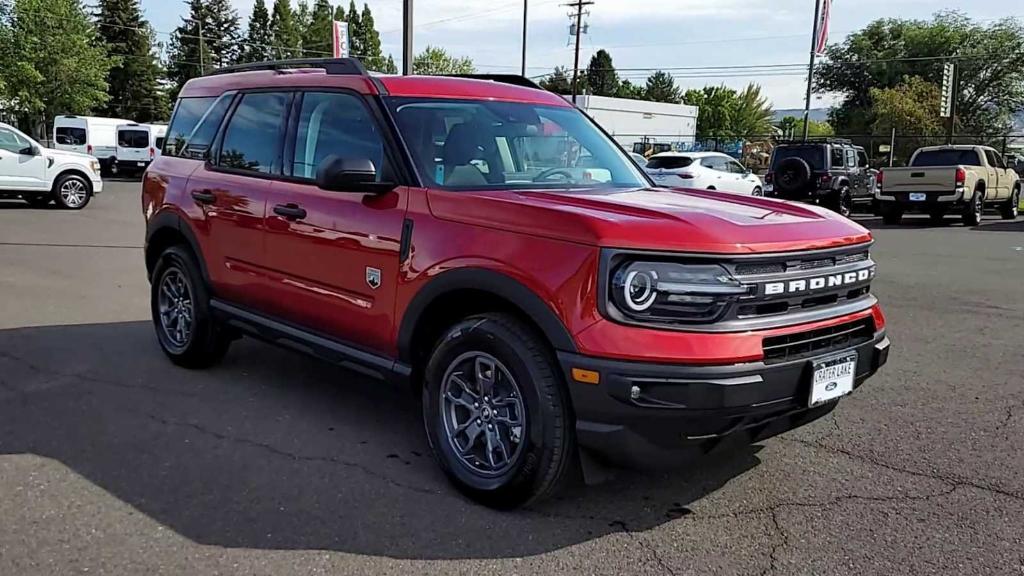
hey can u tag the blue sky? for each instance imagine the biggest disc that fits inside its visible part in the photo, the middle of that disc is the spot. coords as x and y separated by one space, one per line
638 34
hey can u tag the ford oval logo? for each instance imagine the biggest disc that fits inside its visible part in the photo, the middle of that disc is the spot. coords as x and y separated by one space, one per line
831 386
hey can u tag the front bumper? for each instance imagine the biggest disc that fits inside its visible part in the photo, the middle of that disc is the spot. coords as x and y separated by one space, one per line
686 408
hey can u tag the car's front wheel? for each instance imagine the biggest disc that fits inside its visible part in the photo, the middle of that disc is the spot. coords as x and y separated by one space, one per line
72 192
496 412
179 300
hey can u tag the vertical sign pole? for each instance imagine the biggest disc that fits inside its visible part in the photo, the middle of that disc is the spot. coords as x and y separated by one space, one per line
810 68
525 2
407 37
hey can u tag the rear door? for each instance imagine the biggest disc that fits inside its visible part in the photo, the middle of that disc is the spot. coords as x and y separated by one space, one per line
19 171
134 144
998 181
71 135
231 188
334 256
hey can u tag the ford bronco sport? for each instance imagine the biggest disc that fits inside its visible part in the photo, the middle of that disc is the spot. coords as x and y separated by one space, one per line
488 244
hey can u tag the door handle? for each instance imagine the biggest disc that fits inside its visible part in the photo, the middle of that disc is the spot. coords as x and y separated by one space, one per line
205 196
290 211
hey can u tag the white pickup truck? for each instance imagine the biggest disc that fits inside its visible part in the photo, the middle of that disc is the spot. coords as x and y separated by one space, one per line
41 175
941 179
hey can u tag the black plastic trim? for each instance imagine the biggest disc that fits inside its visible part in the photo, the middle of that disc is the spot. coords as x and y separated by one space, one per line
340 66
405 245
171 220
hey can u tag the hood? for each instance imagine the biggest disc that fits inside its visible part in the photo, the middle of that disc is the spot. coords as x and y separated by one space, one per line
654 219
66 154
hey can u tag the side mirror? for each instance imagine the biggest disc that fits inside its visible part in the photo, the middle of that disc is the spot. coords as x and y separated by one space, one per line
30 151
357 175
747 171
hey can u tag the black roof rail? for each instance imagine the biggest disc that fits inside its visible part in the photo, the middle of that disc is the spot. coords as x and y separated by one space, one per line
823 140
513 79
341 66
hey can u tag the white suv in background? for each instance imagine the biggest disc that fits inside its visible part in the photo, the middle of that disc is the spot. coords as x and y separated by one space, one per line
42 175
703 170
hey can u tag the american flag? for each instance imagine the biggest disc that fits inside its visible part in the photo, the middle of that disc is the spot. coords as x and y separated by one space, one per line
822 27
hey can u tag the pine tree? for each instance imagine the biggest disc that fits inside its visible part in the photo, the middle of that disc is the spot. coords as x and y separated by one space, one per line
661 87
134 86
285 32
316 36
302 16
372 55
222 32
557 82
206 39
601 77
258 40
355 30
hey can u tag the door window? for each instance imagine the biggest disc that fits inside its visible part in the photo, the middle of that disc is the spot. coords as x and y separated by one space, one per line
70 136
335 124
252 139
851 158
714 163
735 167
994 159
133 138
194 125
838 158
12 142
862 159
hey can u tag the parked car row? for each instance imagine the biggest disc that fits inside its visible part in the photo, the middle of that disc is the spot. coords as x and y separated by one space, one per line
121 146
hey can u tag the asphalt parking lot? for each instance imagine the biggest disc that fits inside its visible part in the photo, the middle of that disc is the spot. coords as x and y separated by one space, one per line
113 461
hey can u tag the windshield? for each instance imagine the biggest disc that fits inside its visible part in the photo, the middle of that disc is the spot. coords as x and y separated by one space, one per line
813 155
950 157
507 145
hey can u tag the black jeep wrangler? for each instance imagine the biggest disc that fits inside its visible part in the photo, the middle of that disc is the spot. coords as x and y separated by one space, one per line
832 172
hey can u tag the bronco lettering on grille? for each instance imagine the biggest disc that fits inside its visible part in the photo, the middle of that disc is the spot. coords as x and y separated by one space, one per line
818 282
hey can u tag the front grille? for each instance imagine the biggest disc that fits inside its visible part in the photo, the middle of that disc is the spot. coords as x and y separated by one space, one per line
815 342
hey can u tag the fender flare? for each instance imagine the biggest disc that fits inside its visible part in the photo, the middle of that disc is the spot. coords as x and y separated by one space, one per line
165 220
481 279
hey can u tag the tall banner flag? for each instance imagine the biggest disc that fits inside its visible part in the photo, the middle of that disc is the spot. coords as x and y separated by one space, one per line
821 41
339 39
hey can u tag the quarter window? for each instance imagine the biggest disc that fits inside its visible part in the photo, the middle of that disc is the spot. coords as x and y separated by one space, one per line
252 139
335 124
851 159
862 159
838 159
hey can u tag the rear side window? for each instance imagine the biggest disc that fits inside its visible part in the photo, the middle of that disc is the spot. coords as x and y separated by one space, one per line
862 159
837 157
70 136
252 139
950 157
335 124
669 162
133 138
851 158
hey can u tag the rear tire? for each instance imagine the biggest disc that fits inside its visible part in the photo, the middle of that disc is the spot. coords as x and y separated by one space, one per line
179 301
974 209
1011 209
892 213
496 413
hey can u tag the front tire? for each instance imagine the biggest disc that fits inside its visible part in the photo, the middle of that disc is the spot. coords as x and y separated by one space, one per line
1011 209
757 191
179 301
975 209
72 192
496 412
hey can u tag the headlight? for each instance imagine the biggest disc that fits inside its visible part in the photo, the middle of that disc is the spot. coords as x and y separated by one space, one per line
668 292
95 165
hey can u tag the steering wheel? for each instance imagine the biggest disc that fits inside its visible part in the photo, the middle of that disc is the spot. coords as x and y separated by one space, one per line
554 172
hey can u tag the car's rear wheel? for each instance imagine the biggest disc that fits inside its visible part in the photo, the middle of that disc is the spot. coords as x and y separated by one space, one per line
975 209
179 301
841 202
1011 209
496 412
72 192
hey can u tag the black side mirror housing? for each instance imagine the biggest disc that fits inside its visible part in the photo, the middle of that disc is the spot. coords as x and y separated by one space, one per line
30 151
358 175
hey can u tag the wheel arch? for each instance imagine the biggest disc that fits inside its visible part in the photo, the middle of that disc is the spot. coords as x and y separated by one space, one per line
167 229
72 171
457 293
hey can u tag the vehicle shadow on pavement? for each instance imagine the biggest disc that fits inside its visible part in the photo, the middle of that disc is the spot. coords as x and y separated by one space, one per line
273 450
1002 226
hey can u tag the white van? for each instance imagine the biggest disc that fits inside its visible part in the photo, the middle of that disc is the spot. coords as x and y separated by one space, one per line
137 146
88 135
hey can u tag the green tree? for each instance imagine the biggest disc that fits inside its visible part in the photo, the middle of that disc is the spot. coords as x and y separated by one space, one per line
717 108
206 39
661 87
134 79
372 55
316 35
912 108
258 39
752 112
285 31
436 62
303 16
793 127
355 29
52 61
885 52
629 90
222 32
601 77
557 82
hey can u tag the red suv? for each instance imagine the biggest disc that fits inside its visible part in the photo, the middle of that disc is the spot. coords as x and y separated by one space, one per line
489 244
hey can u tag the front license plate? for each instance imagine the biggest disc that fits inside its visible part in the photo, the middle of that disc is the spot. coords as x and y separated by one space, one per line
833 378
918 197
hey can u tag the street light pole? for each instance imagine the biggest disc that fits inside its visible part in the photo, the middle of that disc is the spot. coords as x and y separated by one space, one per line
407 37
525 3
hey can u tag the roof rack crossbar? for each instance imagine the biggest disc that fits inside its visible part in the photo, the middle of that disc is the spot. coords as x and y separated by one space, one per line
341 66
513 79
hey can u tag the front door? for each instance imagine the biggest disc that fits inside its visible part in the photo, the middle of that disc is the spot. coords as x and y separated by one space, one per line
18 170
334 256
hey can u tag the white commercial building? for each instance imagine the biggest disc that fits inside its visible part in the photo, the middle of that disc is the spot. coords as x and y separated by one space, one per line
642 126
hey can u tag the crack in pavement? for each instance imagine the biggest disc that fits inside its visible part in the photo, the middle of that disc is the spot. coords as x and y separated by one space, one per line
773 559
639 540
1009 416
300 457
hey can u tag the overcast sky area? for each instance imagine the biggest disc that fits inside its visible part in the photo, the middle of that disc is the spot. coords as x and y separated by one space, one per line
638 34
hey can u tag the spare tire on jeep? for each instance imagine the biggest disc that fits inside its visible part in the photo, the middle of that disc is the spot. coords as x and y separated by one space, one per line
792 175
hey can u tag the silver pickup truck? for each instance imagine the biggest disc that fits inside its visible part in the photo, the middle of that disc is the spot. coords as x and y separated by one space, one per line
944 179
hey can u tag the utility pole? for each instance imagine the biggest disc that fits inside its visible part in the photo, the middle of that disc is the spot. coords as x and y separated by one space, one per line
525 3
810 68
202 60
579 5
407 37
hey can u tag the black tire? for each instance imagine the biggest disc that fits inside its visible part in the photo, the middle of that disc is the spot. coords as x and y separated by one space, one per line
39 201
757 191
1011 208
792 175
841 202
539 461
974 209
892 213
206 342
72 192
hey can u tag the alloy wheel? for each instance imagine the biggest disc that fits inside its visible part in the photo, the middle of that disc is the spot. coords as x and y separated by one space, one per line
483 413
73 192
175 306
